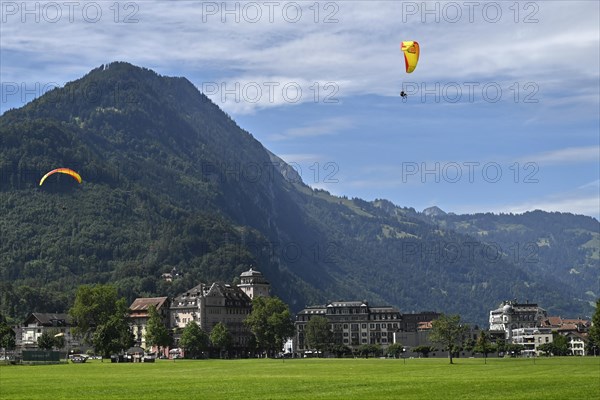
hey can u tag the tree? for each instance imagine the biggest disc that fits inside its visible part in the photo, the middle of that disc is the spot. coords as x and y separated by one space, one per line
514 349
45 341
220 338
470 344
546 348
340 349
483 345
367 349
395 350
59 339
594 334
193 340
318 334
501 346
157 333
113 336
94 305
271 323
448 332
7 336
101 318
560 345
424 350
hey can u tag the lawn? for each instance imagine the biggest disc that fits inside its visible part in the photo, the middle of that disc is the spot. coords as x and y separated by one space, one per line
547 378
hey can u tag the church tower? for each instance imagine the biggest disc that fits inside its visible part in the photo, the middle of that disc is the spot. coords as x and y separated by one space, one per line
254 284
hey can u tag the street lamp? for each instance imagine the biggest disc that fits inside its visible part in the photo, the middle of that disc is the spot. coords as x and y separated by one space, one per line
403 356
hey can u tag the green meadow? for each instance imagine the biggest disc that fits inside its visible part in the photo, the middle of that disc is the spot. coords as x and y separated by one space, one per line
546 378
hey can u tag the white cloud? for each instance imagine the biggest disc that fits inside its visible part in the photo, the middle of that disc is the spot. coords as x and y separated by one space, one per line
360 52
330 126
569 155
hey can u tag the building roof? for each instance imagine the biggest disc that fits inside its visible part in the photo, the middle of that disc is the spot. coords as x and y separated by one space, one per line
348 304
193 292
140 306
553 321
578 321
313 310
566 324
384 309
251 272
568 327
49 319
230 292
579 335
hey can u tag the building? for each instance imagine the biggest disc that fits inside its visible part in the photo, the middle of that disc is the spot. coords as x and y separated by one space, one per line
414 321
512 315
184 308
37 323
563 325
414 329
207 305
139 315
254 284
229 305
577 343
531 339
353 323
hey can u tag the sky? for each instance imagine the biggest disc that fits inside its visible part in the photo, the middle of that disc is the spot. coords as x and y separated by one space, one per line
502 112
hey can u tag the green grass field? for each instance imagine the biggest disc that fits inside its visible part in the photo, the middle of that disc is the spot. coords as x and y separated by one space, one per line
548 378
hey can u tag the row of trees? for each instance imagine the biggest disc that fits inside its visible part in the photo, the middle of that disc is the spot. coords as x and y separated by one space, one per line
446 331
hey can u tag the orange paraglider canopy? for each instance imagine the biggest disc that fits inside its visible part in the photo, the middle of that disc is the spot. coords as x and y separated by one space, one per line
62 171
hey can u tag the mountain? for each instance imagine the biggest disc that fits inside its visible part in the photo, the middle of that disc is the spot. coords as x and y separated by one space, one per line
434 211
171 181
563 246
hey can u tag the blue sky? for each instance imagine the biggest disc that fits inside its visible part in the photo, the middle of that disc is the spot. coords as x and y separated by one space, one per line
502 113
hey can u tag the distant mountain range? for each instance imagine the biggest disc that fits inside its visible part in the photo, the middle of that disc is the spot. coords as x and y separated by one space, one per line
170 181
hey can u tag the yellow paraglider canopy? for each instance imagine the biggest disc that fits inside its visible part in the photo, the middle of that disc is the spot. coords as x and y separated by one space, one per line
411 55
62 171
